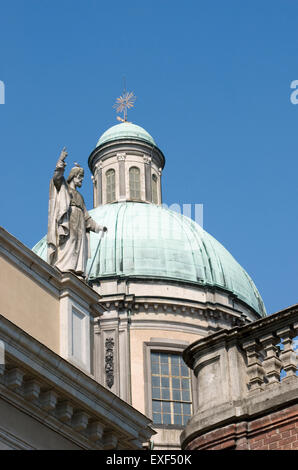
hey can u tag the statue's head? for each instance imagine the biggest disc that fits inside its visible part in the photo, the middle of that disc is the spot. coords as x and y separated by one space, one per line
76 175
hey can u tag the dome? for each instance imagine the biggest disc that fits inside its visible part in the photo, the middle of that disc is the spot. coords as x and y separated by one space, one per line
150 241
125 130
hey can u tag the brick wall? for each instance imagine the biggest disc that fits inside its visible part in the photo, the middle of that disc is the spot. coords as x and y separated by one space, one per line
275 431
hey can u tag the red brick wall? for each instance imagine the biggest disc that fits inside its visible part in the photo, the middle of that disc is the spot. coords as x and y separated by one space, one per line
275 431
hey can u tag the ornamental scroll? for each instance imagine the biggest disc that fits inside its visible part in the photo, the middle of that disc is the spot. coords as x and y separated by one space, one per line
109 362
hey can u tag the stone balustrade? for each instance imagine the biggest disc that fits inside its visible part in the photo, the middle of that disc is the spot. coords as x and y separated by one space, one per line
243 371
269 354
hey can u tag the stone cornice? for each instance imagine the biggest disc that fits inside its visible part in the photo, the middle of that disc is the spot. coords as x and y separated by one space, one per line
212 289
130 146
240 333
67 383
209 311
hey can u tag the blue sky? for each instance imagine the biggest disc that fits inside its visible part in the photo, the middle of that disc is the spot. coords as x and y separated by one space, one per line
212 81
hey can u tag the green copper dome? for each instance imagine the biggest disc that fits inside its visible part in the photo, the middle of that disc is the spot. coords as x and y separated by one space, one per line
125 130
151 241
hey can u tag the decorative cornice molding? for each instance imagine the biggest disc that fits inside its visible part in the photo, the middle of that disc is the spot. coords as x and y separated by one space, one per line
242 332
129 146
233 306
207 310
62 382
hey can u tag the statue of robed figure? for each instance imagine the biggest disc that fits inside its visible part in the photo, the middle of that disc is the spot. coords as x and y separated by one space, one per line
69 222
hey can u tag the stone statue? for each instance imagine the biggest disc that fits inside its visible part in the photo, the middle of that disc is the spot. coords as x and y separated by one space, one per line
69 222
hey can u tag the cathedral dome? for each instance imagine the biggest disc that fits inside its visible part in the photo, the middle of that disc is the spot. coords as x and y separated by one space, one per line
125 130
150 241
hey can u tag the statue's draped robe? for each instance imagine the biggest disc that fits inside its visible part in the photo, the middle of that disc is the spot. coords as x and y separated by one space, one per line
69 224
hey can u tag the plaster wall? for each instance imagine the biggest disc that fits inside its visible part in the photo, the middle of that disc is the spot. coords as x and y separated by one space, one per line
164 289
30 306
168 320
137 340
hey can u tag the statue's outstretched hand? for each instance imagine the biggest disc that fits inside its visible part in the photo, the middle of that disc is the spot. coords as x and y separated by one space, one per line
63 154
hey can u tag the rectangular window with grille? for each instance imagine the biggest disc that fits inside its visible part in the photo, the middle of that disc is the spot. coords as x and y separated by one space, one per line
110 186
171 389
134 183
154 189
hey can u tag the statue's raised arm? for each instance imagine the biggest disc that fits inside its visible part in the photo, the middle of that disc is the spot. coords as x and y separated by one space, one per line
59 170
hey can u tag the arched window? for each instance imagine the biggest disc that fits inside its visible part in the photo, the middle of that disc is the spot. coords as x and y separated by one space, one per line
134 183
110 186
154 189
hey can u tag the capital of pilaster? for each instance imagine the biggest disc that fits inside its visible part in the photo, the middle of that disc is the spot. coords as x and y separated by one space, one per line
121 156
147 160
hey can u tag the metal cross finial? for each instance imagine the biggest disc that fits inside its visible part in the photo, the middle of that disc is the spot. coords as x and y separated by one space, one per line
123 103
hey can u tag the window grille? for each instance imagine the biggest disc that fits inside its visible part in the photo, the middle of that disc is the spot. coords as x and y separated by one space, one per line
134 183
154 189
171 389
110 185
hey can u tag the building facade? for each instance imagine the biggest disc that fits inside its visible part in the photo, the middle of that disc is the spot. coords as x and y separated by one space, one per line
162 283
49 397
